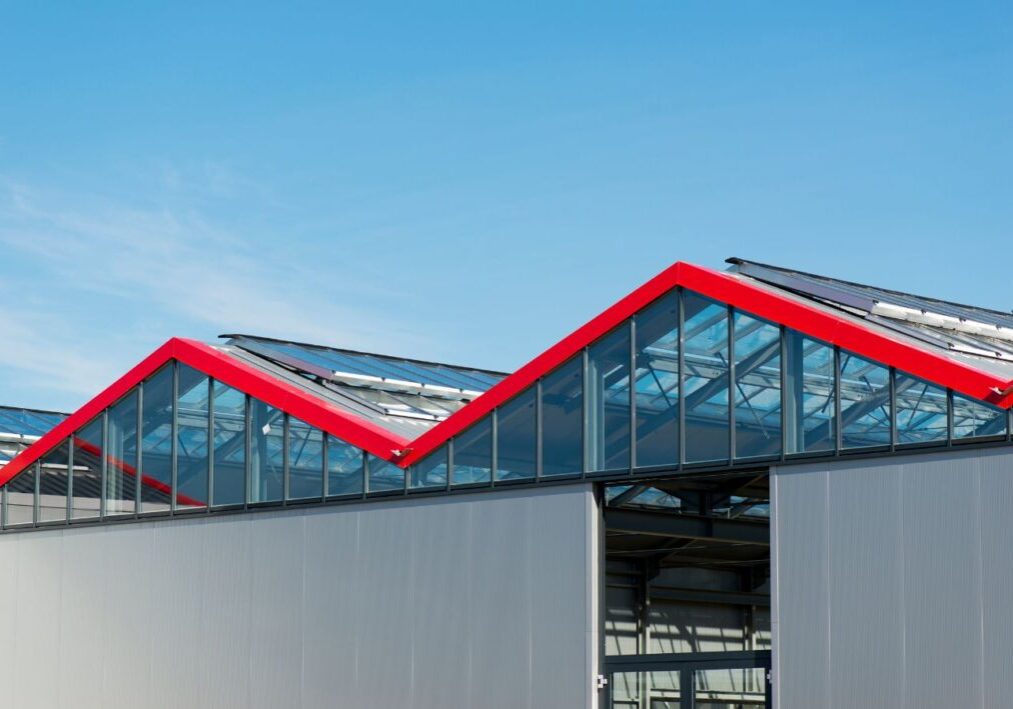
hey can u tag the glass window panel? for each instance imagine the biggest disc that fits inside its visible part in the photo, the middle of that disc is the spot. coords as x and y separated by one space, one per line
345 468
657 690
726 688
473 454
757 387
305 460
563 419
657 383
87 475
431 471
156 441
384 475
21 498
921 411
121 456
865 402
705 379
976 419
266 452
515 459
53 484
192 439
608 401
809 393
229 445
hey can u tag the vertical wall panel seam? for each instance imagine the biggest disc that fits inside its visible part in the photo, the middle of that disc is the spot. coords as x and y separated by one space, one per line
903 588
775 631
980 552
829 614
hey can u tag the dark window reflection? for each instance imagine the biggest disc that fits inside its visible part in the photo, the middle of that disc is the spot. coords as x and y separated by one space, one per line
705 379
657 383
562 419
515 457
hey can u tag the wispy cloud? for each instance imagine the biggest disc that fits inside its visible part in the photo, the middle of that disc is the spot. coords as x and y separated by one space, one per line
90 281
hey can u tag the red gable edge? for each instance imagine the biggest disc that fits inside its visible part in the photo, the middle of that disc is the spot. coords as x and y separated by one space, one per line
233 372
716 285
743 295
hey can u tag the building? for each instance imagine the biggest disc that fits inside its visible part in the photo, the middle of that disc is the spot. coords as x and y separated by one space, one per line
748 488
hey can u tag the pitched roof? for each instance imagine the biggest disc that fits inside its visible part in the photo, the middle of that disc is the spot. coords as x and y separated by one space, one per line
401 409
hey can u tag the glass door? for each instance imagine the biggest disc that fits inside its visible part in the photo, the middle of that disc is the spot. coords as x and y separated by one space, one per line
720 680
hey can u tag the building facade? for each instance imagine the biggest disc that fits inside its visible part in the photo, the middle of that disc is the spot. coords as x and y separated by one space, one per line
756 487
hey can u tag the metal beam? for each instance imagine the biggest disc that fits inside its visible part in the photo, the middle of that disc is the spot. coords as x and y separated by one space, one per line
662 524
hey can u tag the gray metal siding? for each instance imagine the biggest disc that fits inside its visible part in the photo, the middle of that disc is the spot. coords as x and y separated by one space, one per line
893 579
466 601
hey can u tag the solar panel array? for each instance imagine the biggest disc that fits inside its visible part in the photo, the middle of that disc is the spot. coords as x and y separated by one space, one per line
401 394
965 331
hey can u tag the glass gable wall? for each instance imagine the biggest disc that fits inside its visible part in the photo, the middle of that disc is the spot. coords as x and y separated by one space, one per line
687 381
149 453
735 386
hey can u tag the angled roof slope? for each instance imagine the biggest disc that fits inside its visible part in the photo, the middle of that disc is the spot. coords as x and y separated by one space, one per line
303 380
807 315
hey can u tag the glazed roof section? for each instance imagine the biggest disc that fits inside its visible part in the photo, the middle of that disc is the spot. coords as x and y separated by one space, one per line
401 409
979 337
19 428
404 396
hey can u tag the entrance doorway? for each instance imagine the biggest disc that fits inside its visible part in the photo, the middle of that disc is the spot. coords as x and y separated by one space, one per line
687 592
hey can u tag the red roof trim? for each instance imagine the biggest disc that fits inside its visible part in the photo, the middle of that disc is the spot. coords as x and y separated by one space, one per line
719 286
233 372
750 298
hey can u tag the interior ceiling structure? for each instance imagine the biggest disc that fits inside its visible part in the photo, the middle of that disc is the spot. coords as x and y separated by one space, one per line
718 521
401 409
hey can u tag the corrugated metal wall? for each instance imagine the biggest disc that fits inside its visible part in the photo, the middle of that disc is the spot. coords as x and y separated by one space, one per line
893 582
473 601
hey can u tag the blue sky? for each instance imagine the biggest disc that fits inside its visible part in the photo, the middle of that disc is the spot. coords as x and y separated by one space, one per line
470 183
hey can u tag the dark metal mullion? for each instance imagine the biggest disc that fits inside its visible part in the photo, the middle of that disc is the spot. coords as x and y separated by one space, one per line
949 418
682 379
365 474
732 383
784 393
285 455
687 692
538 430
494 463
248 452
211 444
139 435
36 503
892 418
3 507
633 393
450 461
103 468
838 422
585 423
70 477
325 462
174 456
